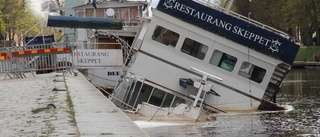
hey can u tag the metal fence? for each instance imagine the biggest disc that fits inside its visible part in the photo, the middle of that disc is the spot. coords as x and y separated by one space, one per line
16 61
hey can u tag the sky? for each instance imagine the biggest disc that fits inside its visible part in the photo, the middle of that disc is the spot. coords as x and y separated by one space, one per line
36 5
154 3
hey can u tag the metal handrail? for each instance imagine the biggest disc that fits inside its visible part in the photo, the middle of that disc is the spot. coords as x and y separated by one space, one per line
111 96
207 3
25 33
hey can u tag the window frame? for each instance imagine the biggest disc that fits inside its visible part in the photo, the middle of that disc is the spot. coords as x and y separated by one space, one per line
195 49
165 36
222 60
252 72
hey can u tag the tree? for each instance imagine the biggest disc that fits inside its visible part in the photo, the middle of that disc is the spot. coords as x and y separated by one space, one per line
295 17
269 12
16 18
2 28
54 6
12 10
305 15
50 5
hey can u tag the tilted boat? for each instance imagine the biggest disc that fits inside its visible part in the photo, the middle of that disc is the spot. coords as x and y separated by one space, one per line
128 12
191 58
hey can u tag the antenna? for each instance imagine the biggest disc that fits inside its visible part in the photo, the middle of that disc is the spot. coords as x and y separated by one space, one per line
206 74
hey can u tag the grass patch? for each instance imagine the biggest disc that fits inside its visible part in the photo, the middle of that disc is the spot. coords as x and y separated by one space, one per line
114 111
107 133
71 110
306 53
70 105
49 129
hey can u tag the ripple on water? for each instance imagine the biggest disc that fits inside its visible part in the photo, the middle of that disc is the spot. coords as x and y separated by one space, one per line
300 94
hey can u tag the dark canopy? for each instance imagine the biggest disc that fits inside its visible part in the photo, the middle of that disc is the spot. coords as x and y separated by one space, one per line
79 22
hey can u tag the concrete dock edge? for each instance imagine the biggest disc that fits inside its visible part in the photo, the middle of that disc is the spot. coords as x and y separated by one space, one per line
95 114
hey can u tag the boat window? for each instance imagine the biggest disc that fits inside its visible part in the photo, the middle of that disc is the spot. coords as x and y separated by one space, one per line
80 14
167 101
157 97
223 60
100 13
89 12
194 48
252 72
165 36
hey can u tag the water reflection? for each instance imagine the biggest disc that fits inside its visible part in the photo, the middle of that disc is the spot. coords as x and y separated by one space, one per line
300 90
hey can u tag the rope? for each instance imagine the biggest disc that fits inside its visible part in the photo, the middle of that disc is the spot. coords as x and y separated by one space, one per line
159 107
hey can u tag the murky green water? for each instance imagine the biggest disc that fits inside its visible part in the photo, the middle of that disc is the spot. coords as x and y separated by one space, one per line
300 91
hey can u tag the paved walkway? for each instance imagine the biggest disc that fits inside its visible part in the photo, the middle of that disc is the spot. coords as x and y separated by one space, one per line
97 115
23 109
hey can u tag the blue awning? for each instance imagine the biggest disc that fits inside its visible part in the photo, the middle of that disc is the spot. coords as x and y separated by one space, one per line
79 22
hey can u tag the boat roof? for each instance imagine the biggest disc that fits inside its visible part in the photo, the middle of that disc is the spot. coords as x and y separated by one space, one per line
84 22
244 32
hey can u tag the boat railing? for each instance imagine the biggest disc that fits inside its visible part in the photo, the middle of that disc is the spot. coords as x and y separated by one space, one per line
110 96
243 18
131 25
129 28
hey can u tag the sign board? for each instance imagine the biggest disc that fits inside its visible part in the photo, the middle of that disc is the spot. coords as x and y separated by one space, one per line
39 40
98 57
231 28
92 58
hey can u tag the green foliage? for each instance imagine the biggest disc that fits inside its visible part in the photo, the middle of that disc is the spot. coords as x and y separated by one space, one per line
295 17
17 18
307 53
114 111
2 25
108 133
270 12
70 105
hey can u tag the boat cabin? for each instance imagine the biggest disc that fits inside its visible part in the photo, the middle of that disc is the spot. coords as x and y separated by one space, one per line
191 53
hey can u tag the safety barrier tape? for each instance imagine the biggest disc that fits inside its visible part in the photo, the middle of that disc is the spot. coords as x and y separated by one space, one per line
4 56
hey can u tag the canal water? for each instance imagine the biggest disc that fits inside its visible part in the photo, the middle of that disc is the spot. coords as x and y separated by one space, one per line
300 92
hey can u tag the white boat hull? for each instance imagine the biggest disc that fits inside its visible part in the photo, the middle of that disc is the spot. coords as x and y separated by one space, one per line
105 77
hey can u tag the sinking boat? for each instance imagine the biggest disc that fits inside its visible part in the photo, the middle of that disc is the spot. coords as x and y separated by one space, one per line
192 59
